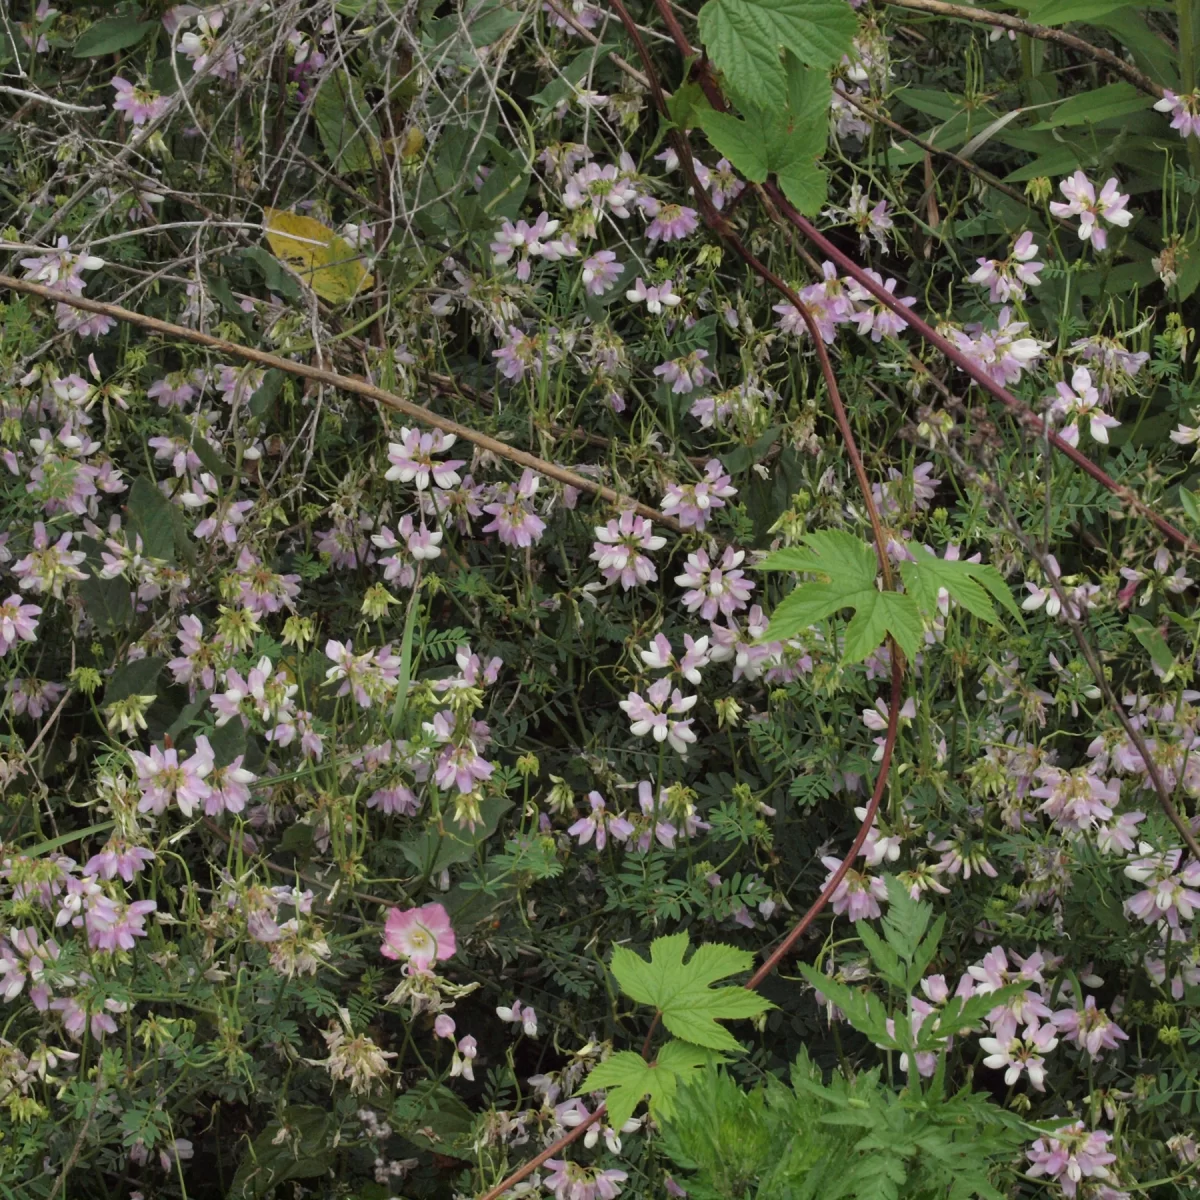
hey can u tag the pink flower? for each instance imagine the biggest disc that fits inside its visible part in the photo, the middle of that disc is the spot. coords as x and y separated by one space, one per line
162 778
599 824
141 104
1082 202
118 858
858 896
519 1014
873 317
654 298
715 589
672 222
113 925
18 622
1170 897
1184 110
686 373
1090 1028
463 1059
723 184
693 503
1070 1155
659 713
525 241
618 550
1081 402
412 459
601 272
1007 279
422 935
571 1181
513 519
443 1026
660 657
1017 1054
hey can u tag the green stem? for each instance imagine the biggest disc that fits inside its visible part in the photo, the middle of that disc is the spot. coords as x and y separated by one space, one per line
1186 12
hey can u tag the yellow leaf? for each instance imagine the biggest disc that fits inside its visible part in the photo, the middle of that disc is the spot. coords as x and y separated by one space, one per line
324 261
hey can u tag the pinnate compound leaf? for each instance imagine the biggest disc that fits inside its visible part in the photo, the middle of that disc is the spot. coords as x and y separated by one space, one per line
848 566
744 39
864 1011
628 1077
973 585
325 261
681 991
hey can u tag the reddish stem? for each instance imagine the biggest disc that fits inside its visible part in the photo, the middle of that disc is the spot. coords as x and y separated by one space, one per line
1019 408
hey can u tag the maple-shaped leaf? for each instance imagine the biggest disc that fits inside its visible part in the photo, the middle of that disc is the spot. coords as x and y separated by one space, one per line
973 585
848 566
786 141
628 1077
682 992
744 39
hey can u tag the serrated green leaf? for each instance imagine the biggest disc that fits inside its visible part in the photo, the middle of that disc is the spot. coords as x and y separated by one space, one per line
681 991
736 140
628 1077
744 38
972 585
849 566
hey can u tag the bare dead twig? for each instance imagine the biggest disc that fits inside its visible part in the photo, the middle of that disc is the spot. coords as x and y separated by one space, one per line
347 383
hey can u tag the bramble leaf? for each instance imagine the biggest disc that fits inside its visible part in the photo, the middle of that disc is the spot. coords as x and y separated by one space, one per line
744 39
849 567
967 583
680 991
325 261
628 1077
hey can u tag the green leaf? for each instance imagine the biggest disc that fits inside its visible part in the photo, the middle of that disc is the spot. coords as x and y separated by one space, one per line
343 115
297 1147
1152 642
433 1117
150 519
681 991
864 1011
137 678
437 848
736 140
111 34
1191 505
959 1014
849 568
968 584
628 1077
274 276
796 137
1064 12
107 602
564 85
744 39
1088 108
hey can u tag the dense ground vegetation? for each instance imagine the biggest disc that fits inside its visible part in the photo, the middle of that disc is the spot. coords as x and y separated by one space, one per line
548 493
